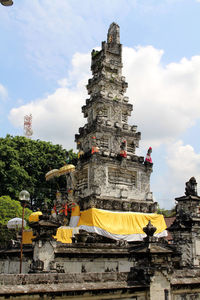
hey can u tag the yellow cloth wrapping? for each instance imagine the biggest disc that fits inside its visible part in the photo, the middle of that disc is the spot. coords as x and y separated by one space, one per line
64 235
34 217
27 236
121 222
115 223
75 211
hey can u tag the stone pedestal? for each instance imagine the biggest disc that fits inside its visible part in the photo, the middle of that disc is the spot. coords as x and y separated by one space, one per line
43 245
186 230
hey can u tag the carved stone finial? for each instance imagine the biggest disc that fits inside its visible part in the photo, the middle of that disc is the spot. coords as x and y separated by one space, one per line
191 187
149 229
113 34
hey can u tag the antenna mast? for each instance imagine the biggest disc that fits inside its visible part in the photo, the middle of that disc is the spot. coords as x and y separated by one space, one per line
28 132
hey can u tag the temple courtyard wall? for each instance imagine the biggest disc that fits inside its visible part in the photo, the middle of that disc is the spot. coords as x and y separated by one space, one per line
93 272
93 286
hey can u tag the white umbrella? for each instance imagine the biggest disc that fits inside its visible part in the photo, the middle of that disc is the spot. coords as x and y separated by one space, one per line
15 223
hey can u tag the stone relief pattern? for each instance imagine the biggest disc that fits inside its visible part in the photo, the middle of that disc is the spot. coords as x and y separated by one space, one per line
100 176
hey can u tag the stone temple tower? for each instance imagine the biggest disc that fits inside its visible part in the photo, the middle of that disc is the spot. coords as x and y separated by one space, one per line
109 173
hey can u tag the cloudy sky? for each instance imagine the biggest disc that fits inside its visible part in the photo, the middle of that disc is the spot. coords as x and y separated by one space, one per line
45 64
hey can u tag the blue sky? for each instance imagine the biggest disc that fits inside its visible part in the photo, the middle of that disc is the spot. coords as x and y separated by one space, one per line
45 64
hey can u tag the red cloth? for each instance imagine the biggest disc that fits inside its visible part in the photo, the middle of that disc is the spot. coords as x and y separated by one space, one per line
148 158
123 153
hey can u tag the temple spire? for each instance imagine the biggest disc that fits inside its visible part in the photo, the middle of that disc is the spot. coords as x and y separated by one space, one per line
113 35
109 173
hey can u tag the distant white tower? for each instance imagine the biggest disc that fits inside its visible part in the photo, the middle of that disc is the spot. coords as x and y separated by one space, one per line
28 132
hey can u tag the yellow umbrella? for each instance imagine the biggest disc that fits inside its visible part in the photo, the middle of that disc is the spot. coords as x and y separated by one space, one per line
53 173
66 169
34 217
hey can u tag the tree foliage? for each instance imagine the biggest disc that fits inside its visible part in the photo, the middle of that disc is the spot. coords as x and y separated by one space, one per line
24 163
9 209
167 212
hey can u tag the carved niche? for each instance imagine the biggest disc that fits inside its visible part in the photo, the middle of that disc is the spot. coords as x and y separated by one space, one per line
104 143
121 176
82 179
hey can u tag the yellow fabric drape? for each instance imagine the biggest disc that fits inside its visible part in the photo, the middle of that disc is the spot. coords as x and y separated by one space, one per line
27 236
76 211
34 217
120 222
112 222
64 235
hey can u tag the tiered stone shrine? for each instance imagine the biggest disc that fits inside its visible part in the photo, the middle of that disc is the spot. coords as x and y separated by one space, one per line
109 173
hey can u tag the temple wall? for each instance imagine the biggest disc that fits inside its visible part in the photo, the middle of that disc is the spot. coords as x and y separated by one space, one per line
160 287
12 265
74 286
186 294
67 264
85 265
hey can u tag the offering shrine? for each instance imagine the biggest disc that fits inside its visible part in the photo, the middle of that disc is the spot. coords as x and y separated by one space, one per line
109 173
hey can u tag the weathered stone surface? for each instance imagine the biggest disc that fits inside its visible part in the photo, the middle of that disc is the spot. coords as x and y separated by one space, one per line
107 111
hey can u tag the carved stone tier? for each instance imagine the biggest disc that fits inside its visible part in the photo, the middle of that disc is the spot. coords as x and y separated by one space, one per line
108 138
107 108
114 183
109 173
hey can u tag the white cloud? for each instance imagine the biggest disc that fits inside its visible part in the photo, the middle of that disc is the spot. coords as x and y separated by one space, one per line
183 163
3 92
57 117
166 98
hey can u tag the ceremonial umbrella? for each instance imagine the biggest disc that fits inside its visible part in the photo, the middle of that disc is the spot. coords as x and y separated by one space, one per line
66 169
15 223
51 174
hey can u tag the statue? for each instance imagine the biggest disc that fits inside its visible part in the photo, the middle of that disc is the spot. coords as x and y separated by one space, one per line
95 148
60 210
80 150
148 156
191 187
123 151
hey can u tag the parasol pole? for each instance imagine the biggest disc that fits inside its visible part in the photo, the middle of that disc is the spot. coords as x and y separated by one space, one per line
21 245
24 197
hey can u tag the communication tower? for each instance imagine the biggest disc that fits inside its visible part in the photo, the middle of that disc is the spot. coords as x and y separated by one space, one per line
28 132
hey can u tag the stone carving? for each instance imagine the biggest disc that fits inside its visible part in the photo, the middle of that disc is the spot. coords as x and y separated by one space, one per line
114 167
82 179
191 187
124 117
148 158
37 266
95 148
104 143
149 229
123 147
121 176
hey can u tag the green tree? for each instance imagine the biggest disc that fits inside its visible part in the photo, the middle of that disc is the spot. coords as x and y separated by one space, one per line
9 209
167 212
24 163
